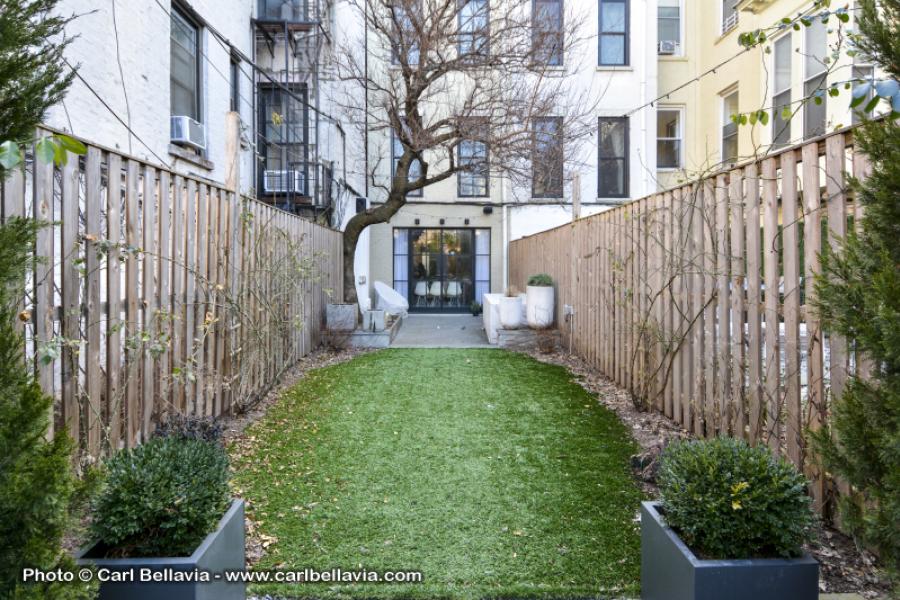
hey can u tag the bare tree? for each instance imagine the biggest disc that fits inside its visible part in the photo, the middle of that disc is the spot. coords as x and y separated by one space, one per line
446 72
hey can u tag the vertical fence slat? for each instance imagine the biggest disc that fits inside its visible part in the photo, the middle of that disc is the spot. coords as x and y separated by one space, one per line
835 188
179 340
190 298
738 272
71 288
132 323
815 378
164 276
44 296
148 304
93 365
709 318
114 300
770 266
793 426
755 403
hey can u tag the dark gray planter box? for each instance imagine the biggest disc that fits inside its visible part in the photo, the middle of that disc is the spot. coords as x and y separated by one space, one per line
670 571
221 550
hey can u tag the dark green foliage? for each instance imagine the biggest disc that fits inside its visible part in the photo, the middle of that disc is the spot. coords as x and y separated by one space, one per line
36 479
476 308
728 500
858 296
540 280
33 76
207 429
161 498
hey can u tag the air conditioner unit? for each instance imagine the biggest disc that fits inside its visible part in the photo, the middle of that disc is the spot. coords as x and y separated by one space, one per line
667 47
189 132
283 182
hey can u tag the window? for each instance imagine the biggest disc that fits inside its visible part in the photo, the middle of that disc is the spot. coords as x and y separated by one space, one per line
547 32
863 73
406 40
472 179
547 158
729 15
415 167
612 167
815 73
668 138
185 66
235 69
730 106
474 28
283 140
781 99
282 10
669 26
613 39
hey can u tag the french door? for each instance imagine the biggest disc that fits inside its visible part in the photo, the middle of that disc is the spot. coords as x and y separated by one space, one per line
441 270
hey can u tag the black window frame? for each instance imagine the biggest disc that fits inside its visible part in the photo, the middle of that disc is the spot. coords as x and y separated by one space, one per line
625 35
678 139
539 29
625 158
484 175
395 140
400 15
475 34
265 91
183 14
557 175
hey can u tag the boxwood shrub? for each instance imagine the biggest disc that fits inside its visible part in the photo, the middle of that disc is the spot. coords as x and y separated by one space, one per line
729 500
540 280
161 498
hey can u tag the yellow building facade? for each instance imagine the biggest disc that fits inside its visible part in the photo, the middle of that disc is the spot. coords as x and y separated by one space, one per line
706 76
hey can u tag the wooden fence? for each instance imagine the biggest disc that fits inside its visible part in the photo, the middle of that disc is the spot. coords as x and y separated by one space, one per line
671 296
159 292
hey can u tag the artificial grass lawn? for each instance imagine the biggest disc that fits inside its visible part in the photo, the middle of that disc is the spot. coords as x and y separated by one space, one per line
491 473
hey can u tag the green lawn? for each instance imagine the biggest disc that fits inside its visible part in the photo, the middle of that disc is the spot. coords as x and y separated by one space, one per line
491 473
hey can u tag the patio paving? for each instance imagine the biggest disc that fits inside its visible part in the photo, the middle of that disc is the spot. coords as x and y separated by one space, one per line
441 331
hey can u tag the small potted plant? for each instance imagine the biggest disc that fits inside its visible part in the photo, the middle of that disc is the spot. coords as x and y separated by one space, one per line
164 515
731 524
539 301
475 307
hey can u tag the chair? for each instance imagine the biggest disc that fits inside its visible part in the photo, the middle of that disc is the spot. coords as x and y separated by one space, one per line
421 293
435 292
454 292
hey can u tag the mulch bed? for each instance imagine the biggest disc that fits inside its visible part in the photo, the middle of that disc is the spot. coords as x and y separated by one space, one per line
844 566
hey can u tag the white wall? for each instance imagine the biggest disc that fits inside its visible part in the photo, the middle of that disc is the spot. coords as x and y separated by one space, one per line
143 50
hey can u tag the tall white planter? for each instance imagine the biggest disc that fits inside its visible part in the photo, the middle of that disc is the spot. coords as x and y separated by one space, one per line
539 306
510 312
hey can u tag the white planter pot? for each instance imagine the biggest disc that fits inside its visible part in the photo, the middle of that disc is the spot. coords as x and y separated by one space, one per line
539 306
510 312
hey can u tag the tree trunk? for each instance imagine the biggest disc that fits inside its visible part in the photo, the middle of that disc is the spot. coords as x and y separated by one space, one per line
355 227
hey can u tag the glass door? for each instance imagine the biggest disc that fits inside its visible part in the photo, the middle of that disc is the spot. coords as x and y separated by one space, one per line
441 269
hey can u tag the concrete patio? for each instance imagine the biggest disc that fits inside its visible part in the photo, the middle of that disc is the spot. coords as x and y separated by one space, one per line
441 331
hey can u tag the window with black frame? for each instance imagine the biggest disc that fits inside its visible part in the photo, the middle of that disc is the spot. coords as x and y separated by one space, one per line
730 130
474 28
668 138
612 150
185 65
547 32
781 99
283 140
815 109
547 158
472 178
415 167
405 42
613 38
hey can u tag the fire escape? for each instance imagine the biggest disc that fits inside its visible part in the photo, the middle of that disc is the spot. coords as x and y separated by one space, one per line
290 35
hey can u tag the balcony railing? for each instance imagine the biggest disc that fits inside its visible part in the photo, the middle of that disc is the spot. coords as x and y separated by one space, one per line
291 11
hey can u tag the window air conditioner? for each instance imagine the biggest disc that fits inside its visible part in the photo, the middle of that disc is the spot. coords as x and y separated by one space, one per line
667 47
282 182
188 132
